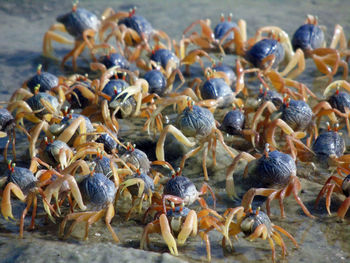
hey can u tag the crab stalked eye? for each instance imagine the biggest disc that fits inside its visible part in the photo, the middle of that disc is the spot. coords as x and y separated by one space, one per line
13 165
257 211
38 69
9 162
267 150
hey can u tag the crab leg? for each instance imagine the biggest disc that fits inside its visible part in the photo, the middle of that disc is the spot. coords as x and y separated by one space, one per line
51 35
78 217
270 131
6 209
167 236
138 181
284 232
30 199
190 226
230 186
109 215
297 59
205 238
68 133
178 135
153 227
329 188
344 208
339 83
278 239
296 187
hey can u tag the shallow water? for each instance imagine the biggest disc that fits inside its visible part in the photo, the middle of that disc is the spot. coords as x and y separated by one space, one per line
23 24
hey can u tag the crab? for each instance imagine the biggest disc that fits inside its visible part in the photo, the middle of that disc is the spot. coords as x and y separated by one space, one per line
46 80
216 87
132 30
311 40
293 117
272 175
25 185
255 224
71 129
194 121
328 150
340 100
140 186
80 24
99 194
184 188
181 222
234 123
338 185
7 128
211 41
34 107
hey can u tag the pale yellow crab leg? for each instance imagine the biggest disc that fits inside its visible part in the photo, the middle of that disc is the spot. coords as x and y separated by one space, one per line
51 35
91 220
205 238
75 191
324 106
167 236
298 60
6 209
116 179
22 105
338 38
335 84
133 181
80 164
230 186
67 134
189 226
107 117
178 135
260 231
231 227
272 245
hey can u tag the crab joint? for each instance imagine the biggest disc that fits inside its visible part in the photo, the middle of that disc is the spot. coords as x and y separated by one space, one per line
267 150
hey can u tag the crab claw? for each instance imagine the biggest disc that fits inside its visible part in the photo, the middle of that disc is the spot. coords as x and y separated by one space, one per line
138 181
6 209
190 226
167 236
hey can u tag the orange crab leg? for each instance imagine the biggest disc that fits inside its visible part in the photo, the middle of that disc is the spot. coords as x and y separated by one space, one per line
25 211
284 232
230 187
206 240
153 227
344 208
